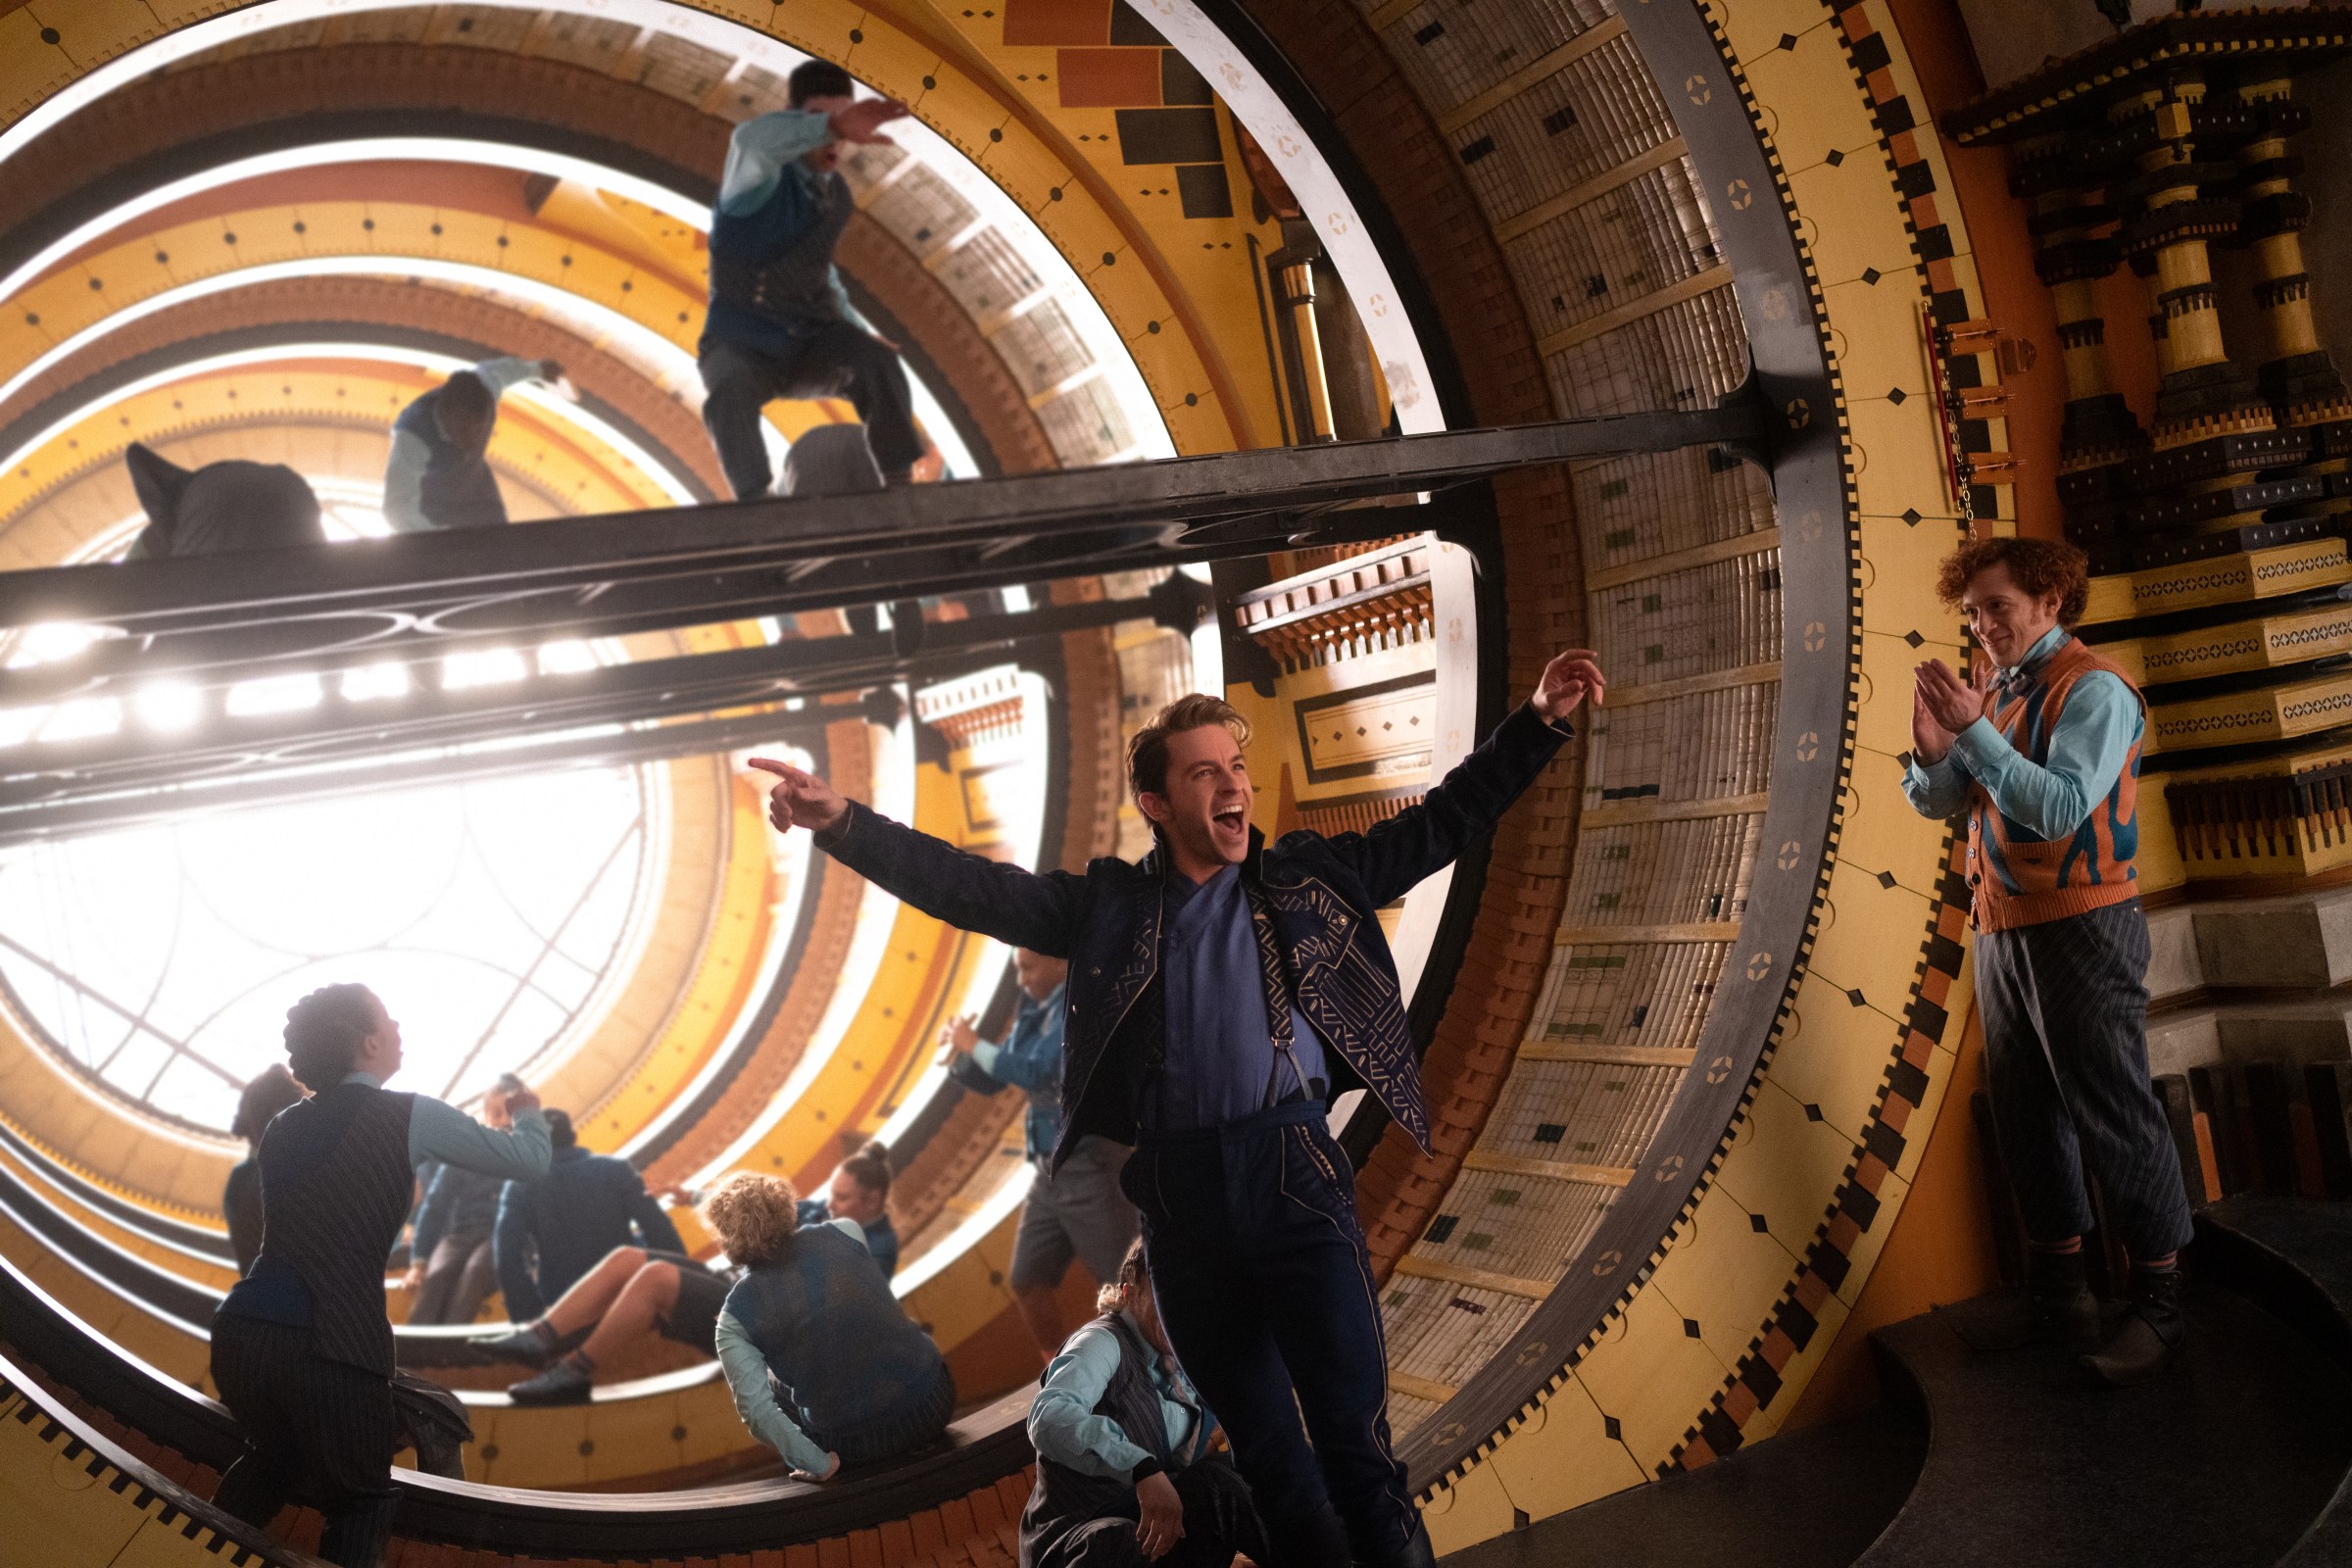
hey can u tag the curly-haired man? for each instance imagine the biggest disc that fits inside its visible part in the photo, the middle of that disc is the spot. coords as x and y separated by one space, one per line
2041 752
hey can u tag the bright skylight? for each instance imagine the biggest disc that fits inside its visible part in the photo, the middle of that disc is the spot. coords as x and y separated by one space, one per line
493 917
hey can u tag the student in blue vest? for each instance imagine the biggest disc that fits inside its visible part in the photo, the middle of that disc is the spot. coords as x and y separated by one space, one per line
2042 754
302 1349
1125 1472
1220 992
438 475
780 324
826 1366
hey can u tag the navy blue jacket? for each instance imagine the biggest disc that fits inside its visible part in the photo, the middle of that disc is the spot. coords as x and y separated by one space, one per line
583 1208
1323 894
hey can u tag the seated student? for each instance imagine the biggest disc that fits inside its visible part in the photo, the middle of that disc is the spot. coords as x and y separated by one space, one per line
302 1349
826 1369
241 1203
860 1190
219 507
452 1265
1124 1472
568 1219
630 1295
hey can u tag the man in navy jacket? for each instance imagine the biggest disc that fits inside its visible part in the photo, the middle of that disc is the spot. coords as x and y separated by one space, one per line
568 1219
1220 992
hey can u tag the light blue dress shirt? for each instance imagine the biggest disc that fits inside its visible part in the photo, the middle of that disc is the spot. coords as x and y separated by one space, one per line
2087 749
1064 1428
746 1368
438 1130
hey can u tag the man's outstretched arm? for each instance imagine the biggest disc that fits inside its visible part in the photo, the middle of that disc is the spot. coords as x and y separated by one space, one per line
971 893
1420 840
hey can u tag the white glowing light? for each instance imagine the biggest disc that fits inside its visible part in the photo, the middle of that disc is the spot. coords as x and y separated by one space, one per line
567 657
83 718
488 666
370 681
169 705
47 643
273 694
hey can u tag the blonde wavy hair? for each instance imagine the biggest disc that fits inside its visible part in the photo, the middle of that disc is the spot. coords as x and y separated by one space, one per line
754 1217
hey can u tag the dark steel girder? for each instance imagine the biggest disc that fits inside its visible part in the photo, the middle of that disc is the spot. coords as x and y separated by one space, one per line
422 596
615 714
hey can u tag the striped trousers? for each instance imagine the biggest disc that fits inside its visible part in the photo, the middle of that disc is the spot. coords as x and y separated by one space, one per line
2065 1008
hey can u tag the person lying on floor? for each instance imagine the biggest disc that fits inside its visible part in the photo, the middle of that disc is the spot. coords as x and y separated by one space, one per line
1125 1474
632 1294
826 1366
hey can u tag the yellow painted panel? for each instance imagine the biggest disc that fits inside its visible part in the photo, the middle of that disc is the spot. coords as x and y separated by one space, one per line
1899 570
1473 1510
1650 1375
1899 463
1882 715
1870 938
1881 833
29 68
1723 1274
1785 1166
59 1514
1563 1457
1836 1056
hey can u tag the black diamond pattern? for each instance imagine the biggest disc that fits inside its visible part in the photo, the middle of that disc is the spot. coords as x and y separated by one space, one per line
1887 879
1855 996
1758 1223
1812 1113
1913 638
1834 158
1870 275
1690 1328
1895 397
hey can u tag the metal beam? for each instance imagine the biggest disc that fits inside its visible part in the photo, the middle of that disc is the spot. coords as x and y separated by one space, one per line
588 717
426 595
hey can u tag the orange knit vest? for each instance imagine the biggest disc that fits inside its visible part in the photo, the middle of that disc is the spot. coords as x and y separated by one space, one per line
2021 878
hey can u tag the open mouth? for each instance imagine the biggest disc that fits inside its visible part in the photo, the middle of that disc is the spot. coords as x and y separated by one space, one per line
1233 818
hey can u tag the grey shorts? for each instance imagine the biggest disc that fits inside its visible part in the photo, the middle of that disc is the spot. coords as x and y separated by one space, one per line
1078 1213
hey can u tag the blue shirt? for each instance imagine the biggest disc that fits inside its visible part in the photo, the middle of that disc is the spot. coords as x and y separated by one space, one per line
1222 1062
2088 747
767 199
552 1231
1029 1059
1064 1428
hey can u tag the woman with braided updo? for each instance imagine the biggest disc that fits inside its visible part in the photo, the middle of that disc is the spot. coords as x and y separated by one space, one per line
302 1349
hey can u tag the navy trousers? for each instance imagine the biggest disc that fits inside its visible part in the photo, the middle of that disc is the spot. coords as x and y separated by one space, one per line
2065 1005
316 1431
837 361
1267 1293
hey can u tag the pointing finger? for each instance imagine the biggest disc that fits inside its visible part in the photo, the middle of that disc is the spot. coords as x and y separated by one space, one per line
769 764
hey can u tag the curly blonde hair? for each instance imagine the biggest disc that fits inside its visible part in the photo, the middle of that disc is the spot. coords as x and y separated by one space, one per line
754 1217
